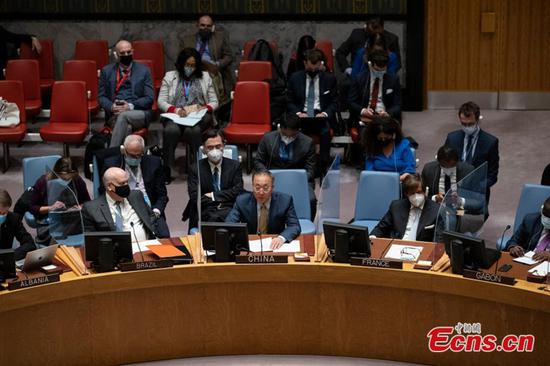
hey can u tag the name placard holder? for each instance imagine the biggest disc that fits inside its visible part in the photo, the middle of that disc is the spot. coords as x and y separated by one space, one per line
378 263
489 277
33 281
142 266
261 259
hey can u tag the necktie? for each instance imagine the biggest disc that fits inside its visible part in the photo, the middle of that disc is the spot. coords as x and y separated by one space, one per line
262 221
118 217
469 149
311 98
447 183
374 94
543 243
216 178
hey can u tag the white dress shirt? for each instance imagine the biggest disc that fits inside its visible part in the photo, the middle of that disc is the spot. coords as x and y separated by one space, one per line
412 223
317 103
128 215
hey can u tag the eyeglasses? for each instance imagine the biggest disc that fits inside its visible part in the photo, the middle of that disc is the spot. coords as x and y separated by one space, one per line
264 189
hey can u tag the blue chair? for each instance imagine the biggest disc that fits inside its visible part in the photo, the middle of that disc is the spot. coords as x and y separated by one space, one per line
375 192
294 182
531 199
33 168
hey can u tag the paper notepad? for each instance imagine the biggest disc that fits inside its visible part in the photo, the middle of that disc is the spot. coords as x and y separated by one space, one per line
541 270
144 245
404 252
526 259
256 247
166 251
190 120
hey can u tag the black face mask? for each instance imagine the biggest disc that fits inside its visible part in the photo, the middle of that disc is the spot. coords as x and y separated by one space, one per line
126 60
205 33
313 73
123 191
385 142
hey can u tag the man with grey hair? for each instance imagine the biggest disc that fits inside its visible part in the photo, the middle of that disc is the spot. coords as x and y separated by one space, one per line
125 93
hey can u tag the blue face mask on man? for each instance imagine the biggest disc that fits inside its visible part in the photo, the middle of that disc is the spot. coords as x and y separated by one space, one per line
3 218
133 162
545 221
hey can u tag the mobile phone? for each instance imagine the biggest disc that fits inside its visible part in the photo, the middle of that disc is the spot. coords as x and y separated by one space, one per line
505 268
119 102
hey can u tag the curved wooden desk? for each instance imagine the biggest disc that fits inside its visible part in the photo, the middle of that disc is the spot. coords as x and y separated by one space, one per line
295 308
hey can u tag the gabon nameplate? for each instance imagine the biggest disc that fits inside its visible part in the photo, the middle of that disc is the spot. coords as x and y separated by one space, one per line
378 263
33 281
489 277
261 259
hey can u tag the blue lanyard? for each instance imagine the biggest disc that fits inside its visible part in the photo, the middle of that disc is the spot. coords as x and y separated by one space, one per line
186 87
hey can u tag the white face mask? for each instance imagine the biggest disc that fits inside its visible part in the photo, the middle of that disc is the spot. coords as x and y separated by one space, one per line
287 140
470 130
215 156
417 199
545 221
448 171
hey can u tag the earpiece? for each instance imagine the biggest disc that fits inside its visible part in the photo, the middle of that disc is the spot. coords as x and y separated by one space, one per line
213 28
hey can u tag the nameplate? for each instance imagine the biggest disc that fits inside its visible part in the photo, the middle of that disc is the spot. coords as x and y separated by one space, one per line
34 281
379 263
142 266
261 258
489 277
536 279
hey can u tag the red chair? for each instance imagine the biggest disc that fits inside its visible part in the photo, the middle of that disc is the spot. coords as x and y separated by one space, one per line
96 50
255 71
84 70
326 47
28 72
69 114
250 118
249 44
12 91
154 51
45 62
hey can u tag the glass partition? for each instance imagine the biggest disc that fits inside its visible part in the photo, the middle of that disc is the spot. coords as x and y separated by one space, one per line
328 204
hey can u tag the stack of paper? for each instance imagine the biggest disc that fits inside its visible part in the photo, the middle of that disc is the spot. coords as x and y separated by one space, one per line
541 270
190 120
404 252
526 259
256 246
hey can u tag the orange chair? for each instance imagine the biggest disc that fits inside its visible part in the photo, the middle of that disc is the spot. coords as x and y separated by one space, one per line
45 62
250 118
28 72
154 51
326 47
69 114
249 44
84 70
12 91
96 50
255 71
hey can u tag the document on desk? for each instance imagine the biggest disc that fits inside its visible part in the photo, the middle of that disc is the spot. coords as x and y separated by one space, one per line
404 252
541 270
143 245
526 259
256 247
190 120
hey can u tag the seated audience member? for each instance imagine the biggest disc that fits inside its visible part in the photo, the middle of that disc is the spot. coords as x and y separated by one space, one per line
312 93
16 40
376 93
265 211
533 234
188 89
76 195
386 149
545 179
126 94
297 59
11 227
411 218
121 209
221 181
289 149
376 41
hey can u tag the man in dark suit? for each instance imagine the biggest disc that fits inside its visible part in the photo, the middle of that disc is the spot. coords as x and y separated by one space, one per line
474 145
289 149
358 38
11 227
411 218
265 211
126 94
312 94
533 234
221 181
121 209
16 40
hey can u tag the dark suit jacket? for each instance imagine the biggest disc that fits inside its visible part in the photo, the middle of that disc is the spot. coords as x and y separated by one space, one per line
231 187
97 216
153 177
303 157
282 216
296 93
528 233
142 88
432 172
12 38
394 222
486 151
359 94
356 40
13 228
545 179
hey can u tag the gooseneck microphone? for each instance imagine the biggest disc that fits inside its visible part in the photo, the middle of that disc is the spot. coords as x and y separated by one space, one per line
501 243
137 241
261 244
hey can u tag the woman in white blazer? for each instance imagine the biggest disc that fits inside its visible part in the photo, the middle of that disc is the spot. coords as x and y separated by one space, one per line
185 90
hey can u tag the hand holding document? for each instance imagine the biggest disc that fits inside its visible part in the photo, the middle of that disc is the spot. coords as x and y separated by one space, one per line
527 258
541 270
190 120
256 246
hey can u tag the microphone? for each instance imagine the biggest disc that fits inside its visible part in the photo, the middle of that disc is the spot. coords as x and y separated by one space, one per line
137 241
501 240
261 244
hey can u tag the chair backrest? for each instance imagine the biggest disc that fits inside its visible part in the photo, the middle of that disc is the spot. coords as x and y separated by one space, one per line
375 192
326 47
96 50
82 70
35 167
251 103
229 151
28 71
45 58
154 51
531 199
149 64
12 91
294 182
69 102
249 44
255 71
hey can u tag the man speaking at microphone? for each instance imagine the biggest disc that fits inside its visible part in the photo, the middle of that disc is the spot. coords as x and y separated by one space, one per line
120 208
265 211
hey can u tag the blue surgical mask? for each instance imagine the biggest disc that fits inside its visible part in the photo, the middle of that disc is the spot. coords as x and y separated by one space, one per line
470 130
3 218
133 162
545 221
188 71
377 74
448 171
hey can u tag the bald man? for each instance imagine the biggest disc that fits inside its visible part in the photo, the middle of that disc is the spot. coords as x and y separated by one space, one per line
125 93
120 208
